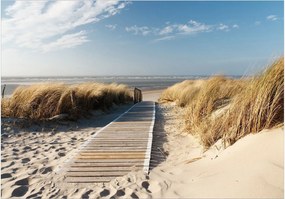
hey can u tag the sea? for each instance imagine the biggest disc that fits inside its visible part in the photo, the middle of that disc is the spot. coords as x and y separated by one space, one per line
142 82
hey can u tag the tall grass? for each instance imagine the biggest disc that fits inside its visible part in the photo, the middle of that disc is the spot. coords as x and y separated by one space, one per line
43 101
259 106
244 105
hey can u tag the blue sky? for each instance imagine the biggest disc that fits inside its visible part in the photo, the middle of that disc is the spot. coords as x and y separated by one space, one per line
46 38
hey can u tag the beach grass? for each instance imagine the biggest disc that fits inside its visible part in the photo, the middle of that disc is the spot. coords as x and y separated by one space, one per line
43 101
221 107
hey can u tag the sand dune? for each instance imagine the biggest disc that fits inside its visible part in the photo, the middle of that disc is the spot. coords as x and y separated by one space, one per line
251 168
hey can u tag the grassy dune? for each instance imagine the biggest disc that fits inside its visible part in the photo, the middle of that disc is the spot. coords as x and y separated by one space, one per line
226 108
42 101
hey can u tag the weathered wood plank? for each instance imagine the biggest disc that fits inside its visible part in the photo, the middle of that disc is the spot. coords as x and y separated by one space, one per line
112 160
119 144
118 139
112 153
101 163
108 147
89 179
110 157
99 169
96 174
107 152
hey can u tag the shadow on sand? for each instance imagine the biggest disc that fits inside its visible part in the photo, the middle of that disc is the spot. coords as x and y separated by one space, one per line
158 155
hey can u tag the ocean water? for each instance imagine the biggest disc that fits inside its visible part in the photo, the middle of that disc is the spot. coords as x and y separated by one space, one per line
141 82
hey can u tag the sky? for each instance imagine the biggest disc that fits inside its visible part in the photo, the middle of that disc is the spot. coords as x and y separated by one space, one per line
111 37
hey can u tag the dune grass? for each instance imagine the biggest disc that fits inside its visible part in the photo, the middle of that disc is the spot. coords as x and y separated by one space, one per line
42 101
259 106
226 108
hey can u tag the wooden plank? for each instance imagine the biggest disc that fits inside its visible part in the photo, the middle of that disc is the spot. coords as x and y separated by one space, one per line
116 130
118 139
111 161
122 134
107 164
96 174
107 148
110 157
130 119
97 169
132 122
113 153
123 127
119 144
88 179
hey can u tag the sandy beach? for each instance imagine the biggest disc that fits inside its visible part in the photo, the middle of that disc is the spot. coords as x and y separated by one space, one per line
142 99
32 158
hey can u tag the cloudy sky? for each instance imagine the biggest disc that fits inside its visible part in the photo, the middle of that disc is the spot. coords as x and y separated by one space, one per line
82 37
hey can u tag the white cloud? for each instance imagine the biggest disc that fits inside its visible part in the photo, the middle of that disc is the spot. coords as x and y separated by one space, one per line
235 26
66 41
223 27
46 25
111 26
144 30
272 17
193 27
166 30
171 31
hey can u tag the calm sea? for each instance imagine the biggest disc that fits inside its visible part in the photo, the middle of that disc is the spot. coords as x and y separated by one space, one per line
142 82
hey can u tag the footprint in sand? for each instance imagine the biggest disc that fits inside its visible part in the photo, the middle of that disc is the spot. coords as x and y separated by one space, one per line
61 154
27 148
15 150
45 170
120 193
33 172
46 150
11 164
6 175
104 193
35 195
145 184
26 160
54 193
20 191
24 181
86 194
133 195
15 154
61 149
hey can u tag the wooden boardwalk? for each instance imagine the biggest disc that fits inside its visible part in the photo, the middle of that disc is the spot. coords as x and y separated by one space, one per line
122 146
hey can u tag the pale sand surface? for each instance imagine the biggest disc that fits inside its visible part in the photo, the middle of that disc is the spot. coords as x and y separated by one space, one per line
31 158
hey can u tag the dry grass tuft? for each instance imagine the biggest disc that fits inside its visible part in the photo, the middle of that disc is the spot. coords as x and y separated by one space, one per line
231 108
259 106
42 101
216 92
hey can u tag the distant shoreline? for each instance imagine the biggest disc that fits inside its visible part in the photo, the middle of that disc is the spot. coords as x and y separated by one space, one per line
145 83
